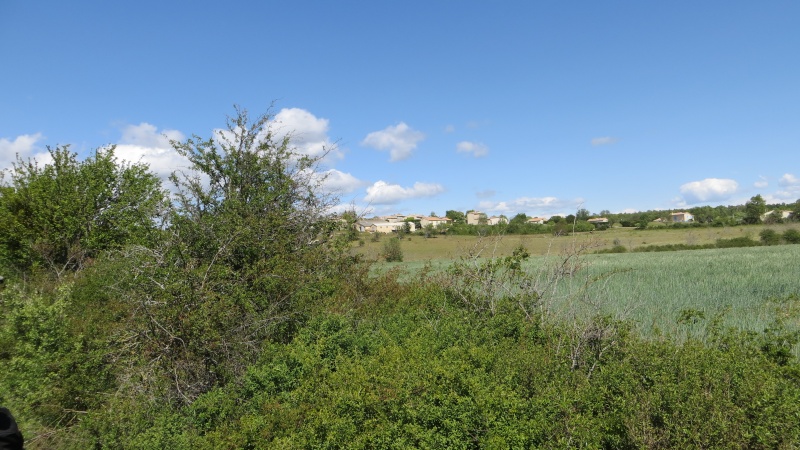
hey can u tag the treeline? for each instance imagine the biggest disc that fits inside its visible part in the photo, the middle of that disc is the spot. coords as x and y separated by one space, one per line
766 237
229 313
752 212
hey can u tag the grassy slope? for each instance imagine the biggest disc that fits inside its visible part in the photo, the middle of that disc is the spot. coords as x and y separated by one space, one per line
740 286
450 247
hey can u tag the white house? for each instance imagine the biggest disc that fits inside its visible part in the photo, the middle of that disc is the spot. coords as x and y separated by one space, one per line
435 221
390 227
475 217
363 226
783 214
681 217
537 220
496 220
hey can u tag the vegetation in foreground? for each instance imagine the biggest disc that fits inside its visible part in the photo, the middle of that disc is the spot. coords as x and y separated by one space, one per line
221 323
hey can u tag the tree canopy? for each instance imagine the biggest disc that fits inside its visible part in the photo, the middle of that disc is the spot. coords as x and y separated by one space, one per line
58 215
754 209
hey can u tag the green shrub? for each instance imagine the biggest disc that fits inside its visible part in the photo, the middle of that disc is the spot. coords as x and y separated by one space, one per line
769 237
392 251
615 249
792 236
737 242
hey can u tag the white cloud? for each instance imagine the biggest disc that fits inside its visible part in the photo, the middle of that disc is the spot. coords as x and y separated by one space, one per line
383 193
400 140
338 182
761 183
709 189
449 129
605 140
477 149
144 143
308 133
789 180
790 191
25 146
530 205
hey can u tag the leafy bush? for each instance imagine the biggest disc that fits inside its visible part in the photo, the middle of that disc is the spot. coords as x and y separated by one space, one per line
619 248
62 214
737 242
791 236
248 253
769 237
392 251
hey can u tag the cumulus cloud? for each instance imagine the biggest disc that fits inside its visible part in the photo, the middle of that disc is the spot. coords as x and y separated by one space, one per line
308 133
709 189
26 146
145 143
789 192
789 180
605 140
476 149
400 140
338 182
532 205
761 183
384 193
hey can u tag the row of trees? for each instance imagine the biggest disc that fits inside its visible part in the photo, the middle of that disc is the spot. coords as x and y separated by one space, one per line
752 212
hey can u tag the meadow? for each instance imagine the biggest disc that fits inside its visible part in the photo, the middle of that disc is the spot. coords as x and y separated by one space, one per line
418 248
663 294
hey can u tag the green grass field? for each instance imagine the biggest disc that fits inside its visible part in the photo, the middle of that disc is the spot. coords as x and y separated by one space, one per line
418 248
745 288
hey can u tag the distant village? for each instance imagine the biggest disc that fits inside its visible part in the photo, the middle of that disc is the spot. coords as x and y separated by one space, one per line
402 222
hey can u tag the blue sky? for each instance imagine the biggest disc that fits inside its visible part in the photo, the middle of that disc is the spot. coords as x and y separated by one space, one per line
536 107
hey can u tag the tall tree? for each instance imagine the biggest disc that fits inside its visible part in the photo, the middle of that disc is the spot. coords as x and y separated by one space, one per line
61 214
795 211
754 209
457 217
251 245
520 219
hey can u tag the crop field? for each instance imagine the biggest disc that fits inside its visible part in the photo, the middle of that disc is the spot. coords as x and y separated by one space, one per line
745 288
418 248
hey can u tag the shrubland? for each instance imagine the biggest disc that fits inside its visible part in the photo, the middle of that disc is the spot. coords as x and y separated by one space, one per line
234 316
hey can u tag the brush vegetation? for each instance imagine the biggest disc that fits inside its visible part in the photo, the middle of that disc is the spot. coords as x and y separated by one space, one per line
235 314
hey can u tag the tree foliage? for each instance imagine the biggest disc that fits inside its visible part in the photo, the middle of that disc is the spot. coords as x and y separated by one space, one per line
392 252
59 215
457 217
754 209
251 243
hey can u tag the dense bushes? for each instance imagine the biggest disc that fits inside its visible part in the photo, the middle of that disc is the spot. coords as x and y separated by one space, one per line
238 320
457 380
767 237
57 216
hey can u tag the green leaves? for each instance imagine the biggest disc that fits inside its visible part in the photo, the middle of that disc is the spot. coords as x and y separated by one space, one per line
250 247
59 215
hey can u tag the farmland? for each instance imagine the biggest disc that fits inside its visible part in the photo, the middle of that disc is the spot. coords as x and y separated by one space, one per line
744 288
418 248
